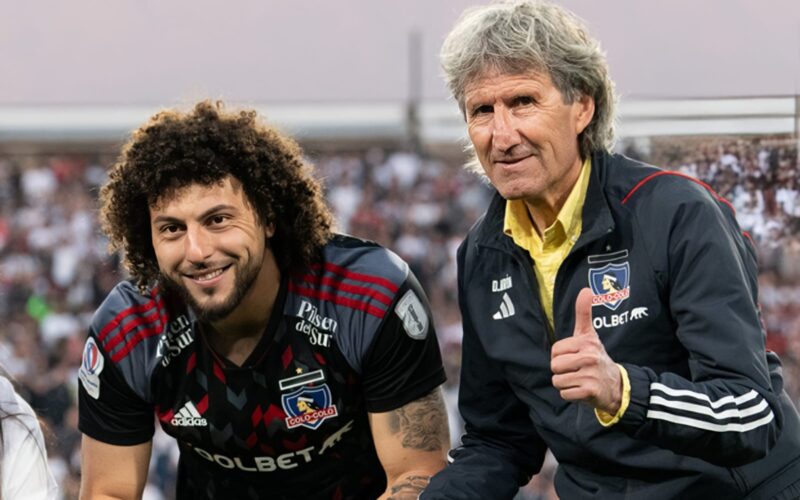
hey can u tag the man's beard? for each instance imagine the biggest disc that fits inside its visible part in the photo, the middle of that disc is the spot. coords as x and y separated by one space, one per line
243 281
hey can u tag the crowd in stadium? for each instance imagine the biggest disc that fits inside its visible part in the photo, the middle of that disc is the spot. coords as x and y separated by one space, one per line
55 267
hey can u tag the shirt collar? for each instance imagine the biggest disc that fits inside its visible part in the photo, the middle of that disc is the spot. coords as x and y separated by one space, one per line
519 226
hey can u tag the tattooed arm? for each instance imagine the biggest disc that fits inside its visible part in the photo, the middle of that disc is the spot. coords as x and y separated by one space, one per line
412 443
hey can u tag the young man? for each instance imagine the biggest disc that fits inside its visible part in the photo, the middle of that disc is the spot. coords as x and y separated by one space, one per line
288 362
610 308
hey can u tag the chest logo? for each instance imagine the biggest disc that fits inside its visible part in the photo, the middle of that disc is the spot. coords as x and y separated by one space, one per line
314 325
610 284
177 338
188 416
506 308
310 403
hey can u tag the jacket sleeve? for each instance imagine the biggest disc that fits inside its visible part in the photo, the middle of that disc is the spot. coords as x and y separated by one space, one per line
500 449
727 413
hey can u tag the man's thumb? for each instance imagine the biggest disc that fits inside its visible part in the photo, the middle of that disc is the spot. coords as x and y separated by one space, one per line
583 313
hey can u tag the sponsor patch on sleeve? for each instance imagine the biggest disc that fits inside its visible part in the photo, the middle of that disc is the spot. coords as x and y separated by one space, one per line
412 313
91 366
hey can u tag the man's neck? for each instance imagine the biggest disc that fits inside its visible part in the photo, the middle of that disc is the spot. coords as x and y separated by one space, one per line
237 335
544 211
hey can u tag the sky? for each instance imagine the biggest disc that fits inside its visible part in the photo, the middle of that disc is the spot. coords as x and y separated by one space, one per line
154 52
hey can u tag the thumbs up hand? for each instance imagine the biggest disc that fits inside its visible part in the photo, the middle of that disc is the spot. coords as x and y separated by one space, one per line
582 370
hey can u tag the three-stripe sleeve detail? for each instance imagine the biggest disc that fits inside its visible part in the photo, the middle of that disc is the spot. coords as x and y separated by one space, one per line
694 409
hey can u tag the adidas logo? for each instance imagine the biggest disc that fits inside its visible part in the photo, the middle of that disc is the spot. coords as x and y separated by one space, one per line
506 308
188 416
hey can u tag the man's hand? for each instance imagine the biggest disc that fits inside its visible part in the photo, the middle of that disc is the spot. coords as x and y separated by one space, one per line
582 370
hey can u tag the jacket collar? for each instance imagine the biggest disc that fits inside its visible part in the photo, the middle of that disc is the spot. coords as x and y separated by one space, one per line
597 219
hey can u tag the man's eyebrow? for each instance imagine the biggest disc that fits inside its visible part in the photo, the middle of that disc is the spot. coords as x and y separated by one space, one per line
216 208
165 218
207 213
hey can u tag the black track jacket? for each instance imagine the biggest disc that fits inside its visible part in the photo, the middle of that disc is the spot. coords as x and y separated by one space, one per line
708 417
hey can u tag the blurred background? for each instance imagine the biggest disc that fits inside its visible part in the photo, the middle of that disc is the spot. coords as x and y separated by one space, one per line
711 90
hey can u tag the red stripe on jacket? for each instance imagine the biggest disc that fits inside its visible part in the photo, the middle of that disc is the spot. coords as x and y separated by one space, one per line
696 181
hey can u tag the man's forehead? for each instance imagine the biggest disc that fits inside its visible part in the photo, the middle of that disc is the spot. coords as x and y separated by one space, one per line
196 190
484 80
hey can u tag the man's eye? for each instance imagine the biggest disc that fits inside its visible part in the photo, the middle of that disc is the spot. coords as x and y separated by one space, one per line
218 219
171 229
524 100
479 110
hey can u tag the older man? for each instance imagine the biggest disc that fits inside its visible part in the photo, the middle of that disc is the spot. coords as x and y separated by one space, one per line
656 387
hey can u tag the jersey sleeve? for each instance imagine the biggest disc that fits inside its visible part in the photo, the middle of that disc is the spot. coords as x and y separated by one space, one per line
403 363
109 410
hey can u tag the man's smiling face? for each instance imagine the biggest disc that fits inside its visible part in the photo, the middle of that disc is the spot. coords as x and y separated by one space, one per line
210 246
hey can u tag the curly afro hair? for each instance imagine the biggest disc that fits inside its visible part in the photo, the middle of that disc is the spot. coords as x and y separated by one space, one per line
176 149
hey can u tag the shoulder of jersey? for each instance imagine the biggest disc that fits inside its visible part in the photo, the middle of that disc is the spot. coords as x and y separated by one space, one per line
354 274
127 319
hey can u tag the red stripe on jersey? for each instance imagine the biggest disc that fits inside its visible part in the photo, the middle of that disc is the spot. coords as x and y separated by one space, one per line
255 417
287 357
251 440
336 299
218 372
119 336
138 308
272 413
367 278
320 358
165 417
339 285
163 310
696 181
202 406
191 362
134 341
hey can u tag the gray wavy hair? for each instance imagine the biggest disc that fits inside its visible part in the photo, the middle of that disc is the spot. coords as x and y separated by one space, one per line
518 36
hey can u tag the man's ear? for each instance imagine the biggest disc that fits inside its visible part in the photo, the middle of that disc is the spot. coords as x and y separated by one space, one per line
269 230
584 112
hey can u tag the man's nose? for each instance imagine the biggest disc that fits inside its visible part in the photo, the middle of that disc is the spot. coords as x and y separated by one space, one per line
504 130
198 245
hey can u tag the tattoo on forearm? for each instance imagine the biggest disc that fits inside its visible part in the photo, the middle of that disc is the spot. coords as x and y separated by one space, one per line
423 423
410 488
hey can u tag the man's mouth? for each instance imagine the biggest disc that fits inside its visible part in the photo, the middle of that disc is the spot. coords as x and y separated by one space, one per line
207 275
510 160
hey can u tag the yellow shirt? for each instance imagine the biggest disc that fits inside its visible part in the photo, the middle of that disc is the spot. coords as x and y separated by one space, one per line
549 251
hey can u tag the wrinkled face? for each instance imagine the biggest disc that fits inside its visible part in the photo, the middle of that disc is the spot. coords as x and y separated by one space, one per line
524 135
210 246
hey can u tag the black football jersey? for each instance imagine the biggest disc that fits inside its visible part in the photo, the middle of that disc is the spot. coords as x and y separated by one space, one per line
351 335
